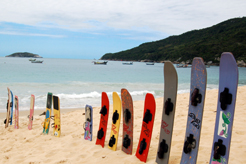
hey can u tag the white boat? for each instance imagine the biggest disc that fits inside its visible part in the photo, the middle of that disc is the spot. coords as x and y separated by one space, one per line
37 61
183 66
32 59
127 63
150 63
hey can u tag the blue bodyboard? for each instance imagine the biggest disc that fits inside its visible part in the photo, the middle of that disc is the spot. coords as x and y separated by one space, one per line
228 82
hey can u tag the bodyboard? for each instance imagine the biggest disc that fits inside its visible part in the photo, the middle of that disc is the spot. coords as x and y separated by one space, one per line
168 112
46 125
57 116
228 83
115 122
147 127
101 134
195 113
88 122
31 112
128 117
11 111
8 109
16 116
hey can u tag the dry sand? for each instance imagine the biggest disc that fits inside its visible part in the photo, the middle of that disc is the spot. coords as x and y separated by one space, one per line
31 146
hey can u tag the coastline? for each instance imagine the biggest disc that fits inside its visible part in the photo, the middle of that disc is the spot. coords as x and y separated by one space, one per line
25 113
72 148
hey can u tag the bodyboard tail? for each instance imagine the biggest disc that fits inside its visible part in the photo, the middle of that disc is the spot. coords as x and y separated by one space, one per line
228 83
128 117
168 112
147 127
8 109
195 113
57 116
104 112
16 116
115 122
88 122
46 125
31 112
11 106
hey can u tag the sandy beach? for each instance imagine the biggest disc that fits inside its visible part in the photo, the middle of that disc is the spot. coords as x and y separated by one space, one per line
32 147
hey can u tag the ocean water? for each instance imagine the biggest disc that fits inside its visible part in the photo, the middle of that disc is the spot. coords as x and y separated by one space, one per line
79 82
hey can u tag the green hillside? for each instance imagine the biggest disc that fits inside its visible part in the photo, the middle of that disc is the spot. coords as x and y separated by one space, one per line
208 43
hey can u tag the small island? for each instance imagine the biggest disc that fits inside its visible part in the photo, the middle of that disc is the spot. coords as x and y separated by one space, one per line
24 55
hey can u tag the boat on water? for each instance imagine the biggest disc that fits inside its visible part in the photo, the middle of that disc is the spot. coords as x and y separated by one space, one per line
37 61
102 63
32 59
188 66
127 63
150 63
183 66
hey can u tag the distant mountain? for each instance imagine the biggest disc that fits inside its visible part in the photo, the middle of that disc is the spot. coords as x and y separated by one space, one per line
208 43
24 54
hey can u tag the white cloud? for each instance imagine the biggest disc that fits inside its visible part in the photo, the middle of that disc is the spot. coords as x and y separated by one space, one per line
31 34
168 17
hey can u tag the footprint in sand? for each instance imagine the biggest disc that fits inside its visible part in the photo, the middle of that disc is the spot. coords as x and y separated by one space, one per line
62 161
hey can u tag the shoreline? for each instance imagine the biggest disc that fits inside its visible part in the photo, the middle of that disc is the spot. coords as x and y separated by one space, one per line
37 112
65 109
72 148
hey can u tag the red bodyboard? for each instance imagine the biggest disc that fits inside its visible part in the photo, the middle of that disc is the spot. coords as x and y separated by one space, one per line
147 127
103 120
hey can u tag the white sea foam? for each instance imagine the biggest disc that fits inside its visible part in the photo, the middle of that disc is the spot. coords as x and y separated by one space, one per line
137 93
93 94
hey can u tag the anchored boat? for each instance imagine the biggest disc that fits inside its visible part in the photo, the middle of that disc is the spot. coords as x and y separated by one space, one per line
37 61
102 63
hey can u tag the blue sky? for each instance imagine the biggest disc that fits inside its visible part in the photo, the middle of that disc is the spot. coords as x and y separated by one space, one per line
89 29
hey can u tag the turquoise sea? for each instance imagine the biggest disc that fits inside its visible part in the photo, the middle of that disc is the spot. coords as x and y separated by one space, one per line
79 82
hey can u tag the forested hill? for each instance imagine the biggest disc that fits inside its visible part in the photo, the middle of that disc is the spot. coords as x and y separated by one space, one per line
24 54
208 43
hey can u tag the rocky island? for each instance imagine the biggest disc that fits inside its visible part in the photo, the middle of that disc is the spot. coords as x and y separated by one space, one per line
24 55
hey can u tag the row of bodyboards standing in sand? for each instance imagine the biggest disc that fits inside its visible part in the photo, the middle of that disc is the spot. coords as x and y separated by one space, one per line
228 82
46 124
125 106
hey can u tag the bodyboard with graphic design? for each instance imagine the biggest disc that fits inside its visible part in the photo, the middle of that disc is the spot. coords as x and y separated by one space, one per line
46 125
16 116
12 106
128 117
147 127
88 122
196 105
57 116
228 82
101 134
169 105
115 122
31 112
8 110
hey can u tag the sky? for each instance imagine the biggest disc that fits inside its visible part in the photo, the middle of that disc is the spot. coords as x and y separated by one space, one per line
87 29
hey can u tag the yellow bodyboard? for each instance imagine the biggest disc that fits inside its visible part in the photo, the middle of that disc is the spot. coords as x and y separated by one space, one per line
115 122
57 117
